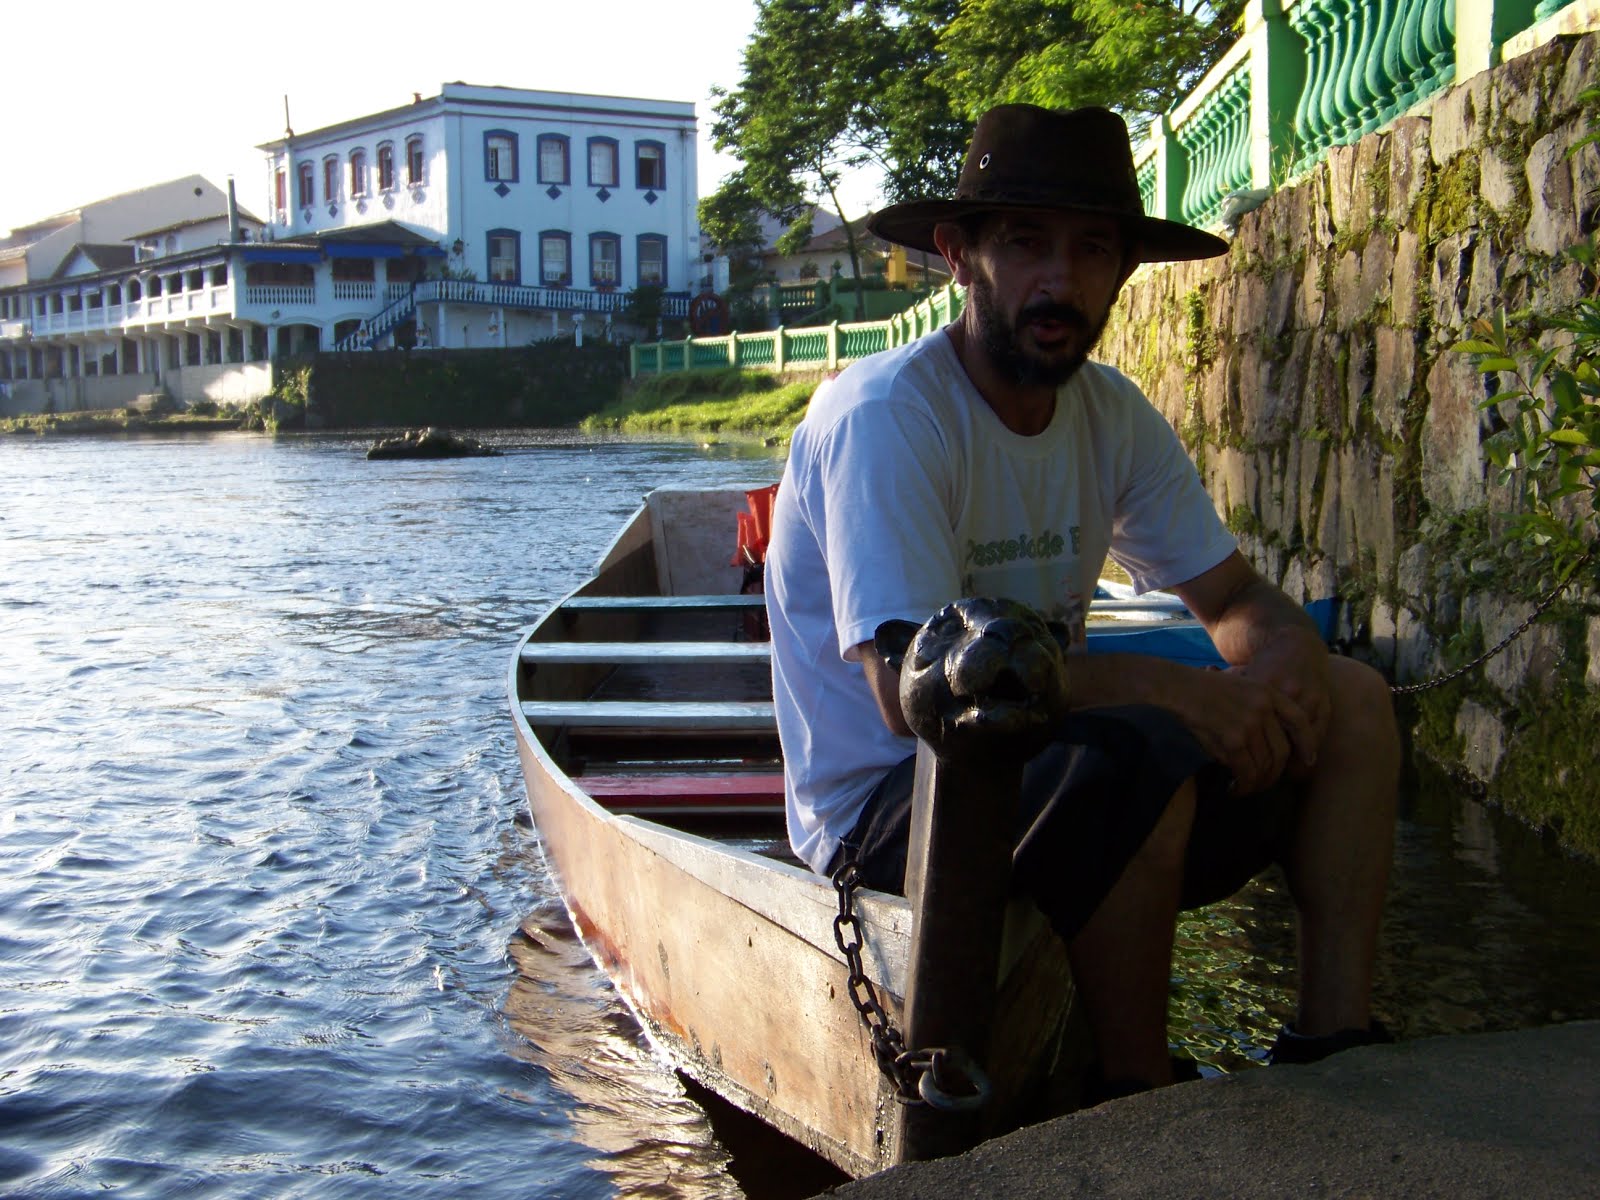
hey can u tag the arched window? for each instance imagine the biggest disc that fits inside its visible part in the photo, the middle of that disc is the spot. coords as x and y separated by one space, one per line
358 173
500 155
414 161
555 257
603 162
505 256
652 259
650 164
386 166
605 260
330 179
554 166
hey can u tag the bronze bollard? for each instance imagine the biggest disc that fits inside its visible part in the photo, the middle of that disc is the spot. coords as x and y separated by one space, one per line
983 685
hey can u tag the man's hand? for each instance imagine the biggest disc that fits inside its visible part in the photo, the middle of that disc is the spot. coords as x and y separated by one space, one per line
1270 642
1246 724
1295 665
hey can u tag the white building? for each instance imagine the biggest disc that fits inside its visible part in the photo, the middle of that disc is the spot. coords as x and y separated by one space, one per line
479 217
554 205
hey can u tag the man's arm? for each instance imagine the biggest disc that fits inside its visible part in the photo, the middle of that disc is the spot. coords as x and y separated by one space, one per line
1267 712
884 681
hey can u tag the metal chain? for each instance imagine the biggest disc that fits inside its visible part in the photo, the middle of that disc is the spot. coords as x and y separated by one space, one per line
888 1045
945 1078
1545 602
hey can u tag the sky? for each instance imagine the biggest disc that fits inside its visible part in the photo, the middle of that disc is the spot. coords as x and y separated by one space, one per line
106 100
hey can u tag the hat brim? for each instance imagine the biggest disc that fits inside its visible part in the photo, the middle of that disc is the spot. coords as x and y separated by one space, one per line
911 224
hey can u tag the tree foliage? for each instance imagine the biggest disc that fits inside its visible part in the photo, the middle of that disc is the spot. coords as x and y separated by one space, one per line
1138 58
893 87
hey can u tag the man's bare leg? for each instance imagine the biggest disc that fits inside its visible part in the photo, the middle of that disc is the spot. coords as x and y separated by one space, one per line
1338 868
1122 959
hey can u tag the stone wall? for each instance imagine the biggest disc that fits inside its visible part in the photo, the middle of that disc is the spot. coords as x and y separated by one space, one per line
1311 374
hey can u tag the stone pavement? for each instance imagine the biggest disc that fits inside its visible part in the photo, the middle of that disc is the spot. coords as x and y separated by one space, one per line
1483 1115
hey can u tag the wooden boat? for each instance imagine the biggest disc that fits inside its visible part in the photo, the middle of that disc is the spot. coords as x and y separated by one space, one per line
644 721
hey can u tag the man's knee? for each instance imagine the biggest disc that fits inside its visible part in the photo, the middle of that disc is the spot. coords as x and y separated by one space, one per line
1363 716
1167 846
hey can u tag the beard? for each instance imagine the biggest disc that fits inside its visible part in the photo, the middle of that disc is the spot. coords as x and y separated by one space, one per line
1019 363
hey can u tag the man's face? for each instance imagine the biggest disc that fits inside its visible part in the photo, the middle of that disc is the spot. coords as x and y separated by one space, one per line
1041 285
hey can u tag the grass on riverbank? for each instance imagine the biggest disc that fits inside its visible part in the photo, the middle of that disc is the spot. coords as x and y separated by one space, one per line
121 420
757 403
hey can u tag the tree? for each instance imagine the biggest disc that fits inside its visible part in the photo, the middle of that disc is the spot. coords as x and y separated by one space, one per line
1138 58
805 112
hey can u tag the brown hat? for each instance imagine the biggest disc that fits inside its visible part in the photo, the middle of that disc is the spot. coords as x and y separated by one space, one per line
1024 156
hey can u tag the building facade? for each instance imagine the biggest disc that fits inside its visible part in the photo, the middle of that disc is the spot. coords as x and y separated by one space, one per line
479 217
552 206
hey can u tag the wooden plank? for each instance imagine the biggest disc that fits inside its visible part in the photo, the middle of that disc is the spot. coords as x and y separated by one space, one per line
620 653
730 600
649 716
644 789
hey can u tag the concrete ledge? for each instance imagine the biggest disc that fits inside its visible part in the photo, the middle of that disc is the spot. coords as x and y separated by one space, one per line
1488 1115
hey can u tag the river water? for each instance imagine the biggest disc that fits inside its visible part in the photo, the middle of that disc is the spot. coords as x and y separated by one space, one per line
271 923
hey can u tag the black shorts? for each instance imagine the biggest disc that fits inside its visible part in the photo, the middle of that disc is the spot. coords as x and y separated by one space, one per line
1089 801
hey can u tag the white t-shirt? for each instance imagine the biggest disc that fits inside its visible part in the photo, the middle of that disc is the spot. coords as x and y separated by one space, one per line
904 491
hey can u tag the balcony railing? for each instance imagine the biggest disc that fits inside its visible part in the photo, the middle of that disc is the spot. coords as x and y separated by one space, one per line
354 289
824 347
1308 75
280 293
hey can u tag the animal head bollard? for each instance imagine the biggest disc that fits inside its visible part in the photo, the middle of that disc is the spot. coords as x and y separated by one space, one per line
984 686
981 676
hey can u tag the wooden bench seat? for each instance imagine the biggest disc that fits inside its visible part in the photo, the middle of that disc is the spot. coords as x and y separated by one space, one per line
737 601
620 653
697 794
649 717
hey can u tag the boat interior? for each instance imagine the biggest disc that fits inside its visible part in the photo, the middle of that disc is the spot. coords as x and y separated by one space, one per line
651 687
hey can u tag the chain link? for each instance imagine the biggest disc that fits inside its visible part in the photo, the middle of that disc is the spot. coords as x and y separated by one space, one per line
1545 602
888 1045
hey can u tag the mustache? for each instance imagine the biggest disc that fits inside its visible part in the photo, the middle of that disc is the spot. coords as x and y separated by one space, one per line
1051 310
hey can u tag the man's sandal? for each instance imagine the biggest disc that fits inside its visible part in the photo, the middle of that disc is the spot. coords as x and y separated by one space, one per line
1296 1049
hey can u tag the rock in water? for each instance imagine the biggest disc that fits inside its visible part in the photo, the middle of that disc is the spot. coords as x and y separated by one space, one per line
429 443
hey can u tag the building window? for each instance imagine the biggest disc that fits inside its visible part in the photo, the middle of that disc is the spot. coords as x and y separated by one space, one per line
650 163
500 155
280 189
358 172
602 162
330 179
652 259
555 257
553 163
386 167
414 160
505 256
605 260
308 196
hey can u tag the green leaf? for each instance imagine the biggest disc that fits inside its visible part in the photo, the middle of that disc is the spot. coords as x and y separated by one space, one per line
1488 363
1569 437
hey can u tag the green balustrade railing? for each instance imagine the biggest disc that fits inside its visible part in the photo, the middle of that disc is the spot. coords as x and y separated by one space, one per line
1308 75
820 347
808 347
1146 177
1216 141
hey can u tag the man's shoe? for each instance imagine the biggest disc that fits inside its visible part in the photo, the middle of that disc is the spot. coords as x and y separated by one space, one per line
1296 1049
1100 1089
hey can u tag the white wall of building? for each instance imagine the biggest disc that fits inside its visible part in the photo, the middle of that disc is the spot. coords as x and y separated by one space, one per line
235 383
458 202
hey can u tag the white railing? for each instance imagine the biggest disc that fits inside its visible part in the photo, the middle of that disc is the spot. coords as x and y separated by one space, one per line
394 291
280 293
354 289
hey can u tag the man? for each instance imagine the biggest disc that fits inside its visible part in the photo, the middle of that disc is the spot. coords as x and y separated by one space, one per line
992 458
